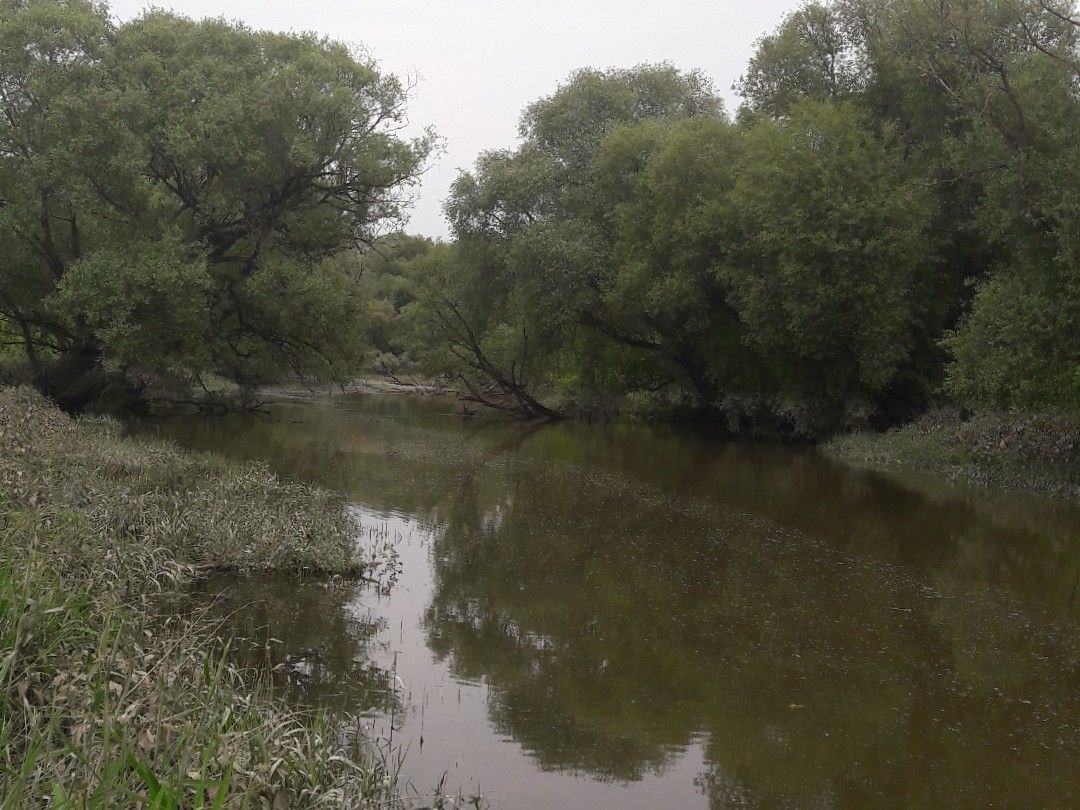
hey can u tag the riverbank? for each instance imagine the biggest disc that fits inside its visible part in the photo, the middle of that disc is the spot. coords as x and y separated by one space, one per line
109 698
1035 452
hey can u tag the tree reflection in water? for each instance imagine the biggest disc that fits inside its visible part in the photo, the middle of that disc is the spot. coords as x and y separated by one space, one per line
821 636
316 638
618 627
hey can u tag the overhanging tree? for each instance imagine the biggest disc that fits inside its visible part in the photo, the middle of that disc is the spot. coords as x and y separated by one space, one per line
183 197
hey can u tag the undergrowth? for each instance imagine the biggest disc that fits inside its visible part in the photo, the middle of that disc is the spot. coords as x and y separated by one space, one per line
107 700
1037 452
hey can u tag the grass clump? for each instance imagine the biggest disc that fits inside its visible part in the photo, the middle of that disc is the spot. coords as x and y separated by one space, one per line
105 699
1038 452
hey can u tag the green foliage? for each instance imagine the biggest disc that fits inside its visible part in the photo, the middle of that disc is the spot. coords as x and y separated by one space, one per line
232 165
984 98
1014 85
670 185
830 250
815 53
110 696
784 258
892 213
1018 346
890 159
536 226
571 124
147 306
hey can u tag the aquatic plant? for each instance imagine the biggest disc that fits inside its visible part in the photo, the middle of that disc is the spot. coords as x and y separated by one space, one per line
1039 452
106 700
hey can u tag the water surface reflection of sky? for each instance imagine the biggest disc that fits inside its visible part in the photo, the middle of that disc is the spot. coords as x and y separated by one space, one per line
631 617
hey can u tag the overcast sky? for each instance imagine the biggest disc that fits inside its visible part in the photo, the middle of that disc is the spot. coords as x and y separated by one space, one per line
481 61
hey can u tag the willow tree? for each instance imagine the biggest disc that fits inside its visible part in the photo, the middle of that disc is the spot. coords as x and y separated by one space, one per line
182 198
538 231
983 97
1011 71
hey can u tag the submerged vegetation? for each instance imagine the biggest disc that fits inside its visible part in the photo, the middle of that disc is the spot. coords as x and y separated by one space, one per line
110 699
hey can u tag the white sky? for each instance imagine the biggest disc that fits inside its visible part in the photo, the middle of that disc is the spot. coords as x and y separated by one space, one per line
481 61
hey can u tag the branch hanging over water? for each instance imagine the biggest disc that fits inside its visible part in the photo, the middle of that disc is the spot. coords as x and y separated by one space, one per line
507 391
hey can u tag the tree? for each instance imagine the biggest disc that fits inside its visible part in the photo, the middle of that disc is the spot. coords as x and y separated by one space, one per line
830 250
1018 346
469 327
782 259
815 53
392 275
50 55
534 220
982 97
1008 68
669 187
232 166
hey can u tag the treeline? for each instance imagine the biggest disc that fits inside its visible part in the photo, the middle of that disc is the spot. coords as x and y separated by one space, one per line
891 216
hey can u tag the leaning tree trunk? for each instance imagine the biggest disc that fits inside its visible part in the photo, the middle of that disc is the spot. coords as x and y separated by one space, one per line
697 374
465 345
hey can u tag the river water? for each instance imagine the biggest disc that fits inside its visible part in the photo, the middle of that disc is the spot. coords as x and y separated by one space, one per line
623 616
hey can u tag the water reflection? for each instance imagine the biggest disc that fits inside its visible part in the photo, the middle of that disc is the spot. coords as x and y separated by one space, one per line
617 631
316 639
612 604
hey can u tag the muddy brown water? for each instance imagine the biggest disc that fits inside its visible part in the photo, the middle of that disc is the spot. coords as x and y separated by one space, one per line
623 616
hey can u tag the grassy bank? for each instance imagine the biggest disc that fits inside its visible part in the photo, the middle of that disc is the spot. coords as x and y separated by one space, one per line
107 700
1014 450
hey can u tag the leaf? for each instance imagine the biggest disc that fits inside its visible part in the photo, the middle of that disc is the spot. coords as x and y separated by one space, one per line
145 774
223 789
147 740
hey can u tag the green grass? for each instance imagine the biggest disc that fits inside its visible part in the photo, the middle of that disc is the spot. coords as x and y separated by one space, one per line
107 699
1037 452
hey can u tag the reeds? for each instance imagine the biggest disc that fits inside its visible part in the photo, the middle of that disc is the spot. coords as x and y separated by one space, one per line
1033 451
105 699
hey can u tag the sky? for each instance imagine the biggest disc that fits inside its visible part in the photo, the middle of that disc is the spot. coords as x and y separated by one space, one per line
480 62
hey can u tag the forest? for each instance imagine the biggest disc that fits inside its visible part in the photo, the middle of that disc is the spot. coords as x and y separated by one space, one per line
888 220
222 587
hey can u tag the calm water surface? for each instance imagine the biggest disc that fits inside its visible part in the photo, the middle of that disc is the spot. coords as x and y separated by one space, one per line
630 617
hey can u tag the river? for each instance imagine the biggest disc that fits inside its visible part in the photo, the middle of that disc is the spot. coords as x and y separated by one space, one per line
624 616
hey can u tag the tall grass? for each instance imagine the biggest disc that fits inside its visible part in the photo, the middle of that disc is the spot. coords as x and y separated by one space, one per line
1038 452
105 699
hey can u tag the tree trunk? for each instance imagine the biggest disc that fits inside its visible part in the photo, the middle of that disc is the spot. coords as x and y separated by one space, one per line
31 350
706 388
73 380
466 347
